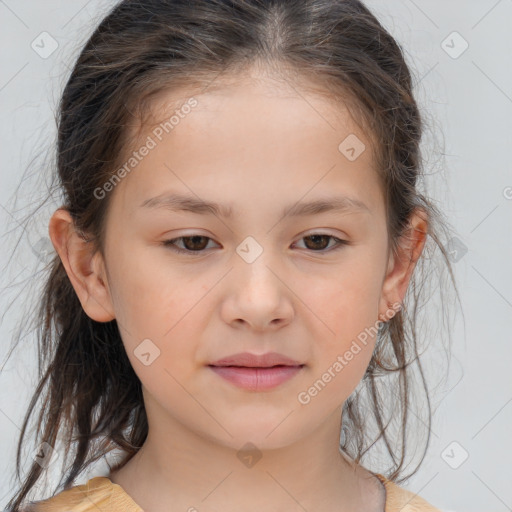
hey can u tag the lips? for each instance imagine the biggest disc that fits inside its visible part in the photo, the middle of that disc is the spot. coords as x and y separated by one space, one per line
254 372
248 360
256 379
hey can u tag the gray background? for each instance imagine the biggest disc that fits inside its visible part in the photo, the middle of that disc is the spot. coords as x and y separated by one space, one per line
469 98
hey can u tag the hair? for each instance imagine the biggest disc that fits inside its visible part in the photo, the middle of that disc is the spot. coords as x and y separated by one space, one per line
90 393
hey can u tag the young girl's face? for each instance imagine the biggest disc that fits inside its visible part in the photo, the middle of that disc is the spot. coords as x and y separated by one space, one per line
258 281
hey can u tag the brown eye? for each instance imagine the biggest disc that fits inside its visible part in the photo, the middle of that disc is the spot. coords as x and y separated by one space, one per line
192 244
195 243
319 242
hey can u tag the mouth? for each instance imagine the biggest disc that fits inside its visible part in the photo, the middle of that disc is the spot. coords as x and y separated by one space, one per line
257 378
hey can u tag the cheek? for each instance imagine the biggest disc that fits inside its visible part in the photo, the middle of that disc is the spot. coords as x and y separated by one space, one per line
145 289
158 333
347 322
152 301
347 301
343 346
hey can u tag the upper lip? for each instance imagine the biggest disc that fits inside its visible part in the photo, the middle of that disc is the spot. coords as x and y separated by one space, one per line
256 361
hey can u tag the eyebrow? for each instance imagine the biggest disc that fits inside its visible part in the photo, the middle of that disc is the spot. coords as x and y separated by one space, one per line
176 202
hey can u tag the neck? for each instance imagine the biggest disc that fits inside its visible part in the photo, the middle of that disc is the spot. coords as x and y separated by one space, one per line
176 469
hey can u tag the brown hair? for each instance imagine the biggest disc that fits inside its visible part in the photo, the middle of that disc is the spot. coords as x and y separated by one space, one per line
145 47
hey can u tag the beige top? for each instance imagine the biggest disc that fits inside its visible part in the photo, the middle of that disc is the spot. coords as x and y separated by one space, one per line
100 494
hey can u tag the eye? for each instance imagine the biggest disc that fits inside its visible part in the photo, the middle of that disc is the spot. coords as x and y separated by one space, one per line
197 244
193 244
317 242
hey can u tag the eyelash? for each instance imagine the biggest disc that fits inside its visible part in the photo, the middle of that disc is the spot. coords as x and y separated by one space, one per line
172 245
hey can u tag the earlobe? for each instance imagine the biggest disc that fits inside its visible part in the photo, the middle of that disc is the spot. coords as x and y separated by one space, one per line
84 267
402 263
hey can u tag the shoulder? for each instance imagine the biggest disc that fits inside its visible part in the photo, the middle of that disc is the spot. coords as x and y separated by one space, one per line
402 500
98 494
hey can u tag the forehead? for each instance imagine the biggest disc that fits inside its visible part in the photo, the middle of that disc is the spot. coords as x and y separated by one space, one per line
330 102
252 133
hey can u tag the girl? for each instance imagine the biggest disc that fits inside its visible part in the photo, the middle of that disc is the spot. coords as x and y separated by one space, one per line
241 222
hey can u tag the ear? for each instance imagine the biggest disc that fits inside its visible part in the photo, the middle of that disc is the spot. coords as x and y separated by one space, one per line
402 263
84 267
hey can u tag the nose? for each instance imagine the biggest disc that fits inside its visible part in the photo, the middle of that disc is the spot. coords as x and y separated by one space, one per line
259 296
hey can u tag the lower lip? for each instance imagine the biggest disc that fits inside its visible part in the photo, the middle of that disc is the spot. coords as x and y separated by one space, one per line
256 379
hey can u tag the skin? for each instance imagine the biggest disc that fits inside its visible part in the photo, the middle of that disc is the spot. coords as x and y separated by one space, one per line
258 145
